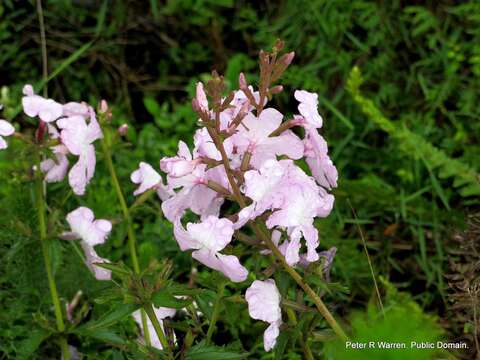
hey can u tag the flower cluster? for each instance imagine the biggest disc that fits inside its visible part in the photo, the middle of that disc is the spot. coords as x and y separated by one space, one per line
245 152
72 128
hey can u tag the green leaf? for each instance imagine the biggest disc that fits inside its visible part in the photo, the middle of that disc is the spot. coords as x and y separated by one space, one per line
30 345
281 345
118 269
166 298
105 335
112 317
202 351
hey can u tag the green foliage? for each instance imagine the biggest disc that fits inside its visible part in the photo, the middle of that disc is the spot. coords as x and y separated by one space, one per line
203 351
465 178
402 322
421 65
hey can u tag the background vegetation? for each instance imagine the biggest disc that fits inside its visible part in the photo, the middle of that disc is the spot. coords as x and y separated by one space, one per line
406 142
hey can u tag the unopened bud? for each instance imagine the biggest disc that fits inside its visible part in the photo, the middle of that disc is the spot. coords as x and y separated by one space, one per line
276 89
103 106
242 82
195 105
122 129
288 58
40 132
279 44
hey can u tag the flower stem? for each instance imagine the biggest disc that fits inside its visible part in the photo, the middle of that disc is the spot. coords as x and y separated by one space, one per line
158 329
322 309
42 225
216 311
132 241
303 344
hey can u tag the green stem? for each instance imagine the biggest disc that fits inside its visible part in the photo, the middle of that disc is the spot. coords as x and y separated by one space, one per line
322 309
123 204
216 311
303 344
132 241
158 329
42 225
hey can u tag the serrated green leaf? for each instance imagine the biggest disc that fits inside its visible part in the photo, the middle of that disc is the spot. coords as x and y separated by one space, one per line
202 351
30 345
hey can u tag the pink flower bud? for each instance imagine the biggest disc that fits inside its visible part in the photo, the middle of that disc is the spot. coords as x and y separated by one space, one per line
288 58
103 107
122 129
195 105
242 81
276 89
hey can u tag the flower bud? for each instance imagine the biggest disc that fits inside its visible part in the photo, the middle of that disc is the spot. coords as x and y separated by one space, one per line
276 90
288 58
242 82
123 129
279 45
195 105
103 106
40 132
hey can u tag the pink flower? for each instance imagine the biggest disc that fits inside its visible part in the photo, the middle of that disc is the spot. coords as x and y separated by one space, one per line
204 145
76 109
47 110
195 195
91 232
6 129
261 186
295 200
147 177
263 301
179 165
57 168
207 239
161 313
254 136
320 164
78 137
308 107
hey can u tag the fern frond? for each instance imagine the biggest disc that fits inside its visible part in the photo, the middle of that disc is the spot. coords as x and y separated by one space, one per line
465 179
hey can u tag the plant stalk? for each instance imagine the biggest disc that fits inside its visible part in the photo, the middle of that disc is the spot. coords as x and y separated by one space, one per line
42 225
303 344
132 241
322 309
216 311
158 329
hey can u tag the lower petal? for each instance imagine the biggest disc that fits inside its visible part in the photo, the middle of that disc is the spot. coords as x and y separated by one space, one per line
270 336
